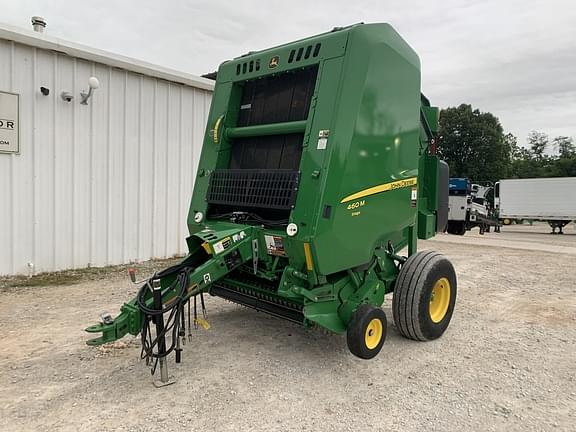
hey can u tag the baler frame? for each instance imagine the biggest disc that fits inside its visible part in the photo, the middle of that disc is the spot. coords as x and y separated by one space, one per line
289 214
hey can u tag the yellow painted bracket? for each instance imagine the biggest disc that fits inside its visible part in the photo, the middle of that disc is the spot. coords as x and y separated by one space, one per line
215 131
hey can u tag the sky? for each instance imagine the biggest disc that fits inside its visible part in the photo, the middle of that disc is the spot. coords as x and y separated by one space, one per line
514 58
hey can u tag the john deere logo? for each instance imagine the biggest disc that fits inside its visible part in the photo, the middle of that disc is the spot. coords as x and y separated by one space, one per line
273 62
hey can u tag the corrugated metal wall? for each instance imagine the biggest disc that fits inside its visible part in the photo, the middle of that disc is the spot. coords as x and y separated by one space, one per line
95 185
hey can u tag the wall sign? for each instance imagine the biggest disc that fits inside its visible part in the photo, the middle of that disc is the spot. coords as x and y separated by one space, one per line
9 122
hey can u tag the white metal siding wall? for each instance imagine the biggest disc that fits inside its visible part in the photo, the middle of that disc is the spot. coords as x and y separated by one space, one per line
95 185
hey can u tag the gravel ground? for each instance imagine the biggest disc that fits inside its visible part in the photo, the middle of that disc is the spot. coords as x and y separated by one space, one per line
507 362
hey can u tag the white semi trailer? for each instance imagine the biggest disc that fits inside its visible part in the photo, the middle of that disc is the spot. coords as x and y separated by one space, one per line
546 199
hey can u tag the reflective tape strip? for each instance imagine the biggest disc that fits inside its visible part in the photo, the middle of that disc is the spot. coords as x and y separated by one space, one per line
308 254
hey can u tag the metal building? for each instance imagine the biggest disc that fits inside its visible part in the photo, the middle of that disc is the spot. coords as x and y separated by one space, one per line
94 184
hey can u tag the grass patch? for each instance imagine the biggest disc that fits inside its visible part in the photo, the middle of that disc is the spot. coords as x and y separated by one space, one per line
43 279
71 277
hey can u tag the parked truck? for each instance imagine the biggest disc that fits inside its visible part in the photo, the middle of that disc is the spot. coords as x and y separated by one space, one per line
468 207
458 197
539 199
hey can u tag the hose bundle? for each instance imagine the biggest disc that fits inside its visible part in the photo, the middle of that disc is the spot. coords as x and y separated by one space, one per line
174 307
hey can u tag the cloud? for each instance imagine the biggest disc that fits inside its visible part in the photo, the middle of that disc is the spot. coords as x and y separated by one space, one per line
513 58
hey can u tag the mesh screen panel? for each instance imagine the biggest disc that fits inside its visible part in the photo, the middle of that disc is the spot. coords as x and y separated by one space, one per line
269 189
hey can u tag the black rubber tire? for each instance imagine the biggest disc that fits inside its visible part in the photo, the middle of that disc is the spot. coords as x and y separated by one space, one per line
412 292
355 334
456 228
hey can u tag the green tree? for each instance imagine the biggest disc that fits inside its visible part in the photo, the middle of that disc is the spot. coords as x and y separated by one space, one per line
564 146
522 163
538 142
474 145
565 163
533 161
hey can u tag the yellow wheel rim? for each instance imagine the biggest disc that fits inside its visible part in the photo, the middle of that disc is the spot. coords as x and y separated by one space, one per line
506 221
373 333
439 300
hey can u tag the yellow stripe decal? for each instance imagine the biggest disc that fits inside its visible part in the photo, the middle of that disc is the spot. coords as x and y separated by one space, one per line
308 254
398 184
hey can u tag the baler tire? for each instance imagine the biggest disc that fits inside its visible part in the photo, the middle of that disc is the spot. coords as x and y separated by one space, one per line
366 319
420 276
